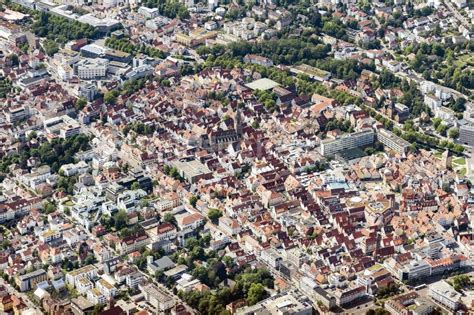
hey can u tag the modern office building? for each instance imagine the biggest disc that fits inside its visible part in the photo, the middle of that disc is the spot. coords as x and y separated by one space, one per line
329 147
89 69
466 129
444 294
466 134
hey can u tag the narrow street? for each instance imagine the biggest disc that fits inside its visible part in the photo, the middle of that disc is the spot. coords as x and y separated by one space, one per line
21 295
456 14
176 299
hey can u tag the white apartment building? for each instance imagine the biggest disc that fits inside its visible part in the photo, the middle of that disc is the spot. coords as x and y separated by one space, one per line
64 126
106 288
392 141
271 257
88 272
157 298
96 297
353 140
148 13
14 114
83 285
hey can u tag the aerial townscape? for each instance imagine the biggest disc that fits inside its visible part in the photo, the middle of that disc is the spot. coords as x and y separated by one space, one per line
267 157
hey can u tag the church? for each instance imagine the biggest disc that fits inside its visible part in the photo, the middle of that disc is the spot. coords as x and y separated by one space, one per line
218 139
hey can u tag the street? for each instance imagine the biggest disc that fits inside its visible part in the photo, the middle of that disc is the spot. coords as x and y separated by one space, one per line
456 14
21 295
175 298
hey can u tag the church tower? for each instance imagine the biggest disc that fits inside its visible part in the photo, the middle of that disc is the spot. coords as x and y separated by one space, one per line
238 122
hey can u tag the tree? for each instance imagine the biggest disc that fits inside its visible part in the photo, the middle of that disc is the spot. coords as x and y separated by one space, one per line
97 309
459 105
169 217
127 46
436 122
60 29
50 47
110 97
193 200
80 103
120 219
135 186
447 187
255 293
90 259
453 133
381 311
48 207
5 244
214 214
228 261
461 282
14 59
441 129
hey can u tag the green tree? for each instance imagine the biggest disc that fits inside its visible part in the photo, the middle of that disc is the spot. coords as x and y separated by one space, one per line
255 294
50 47
48 207
120 219
441 129
228 261
214 214
80 103
90 259
193 200
169 217
453 133
110 97
5 244
14 59
436 122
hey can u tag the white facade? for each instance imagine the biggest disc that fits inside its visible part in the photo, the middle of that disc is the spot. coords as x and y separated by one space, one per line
392 141
443 293
149 13
88 69
346 142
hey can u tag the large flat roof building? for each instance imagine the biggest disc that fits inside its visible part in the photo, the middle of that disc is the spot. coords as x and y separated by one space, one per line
279 305
392 141
443 293
330 147
262 84
192 170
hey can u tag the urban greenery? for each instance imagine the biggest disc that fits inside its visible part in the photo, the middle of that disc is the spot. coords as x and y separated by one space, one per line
127 46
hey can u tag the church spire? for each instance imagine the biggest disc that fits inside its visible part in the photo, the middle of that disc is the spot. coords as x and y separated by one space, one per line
238 122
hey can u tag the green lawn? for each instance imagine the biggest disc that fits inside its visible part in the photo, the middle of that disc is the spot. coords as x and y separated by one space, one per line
460 161
375 267
462 172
